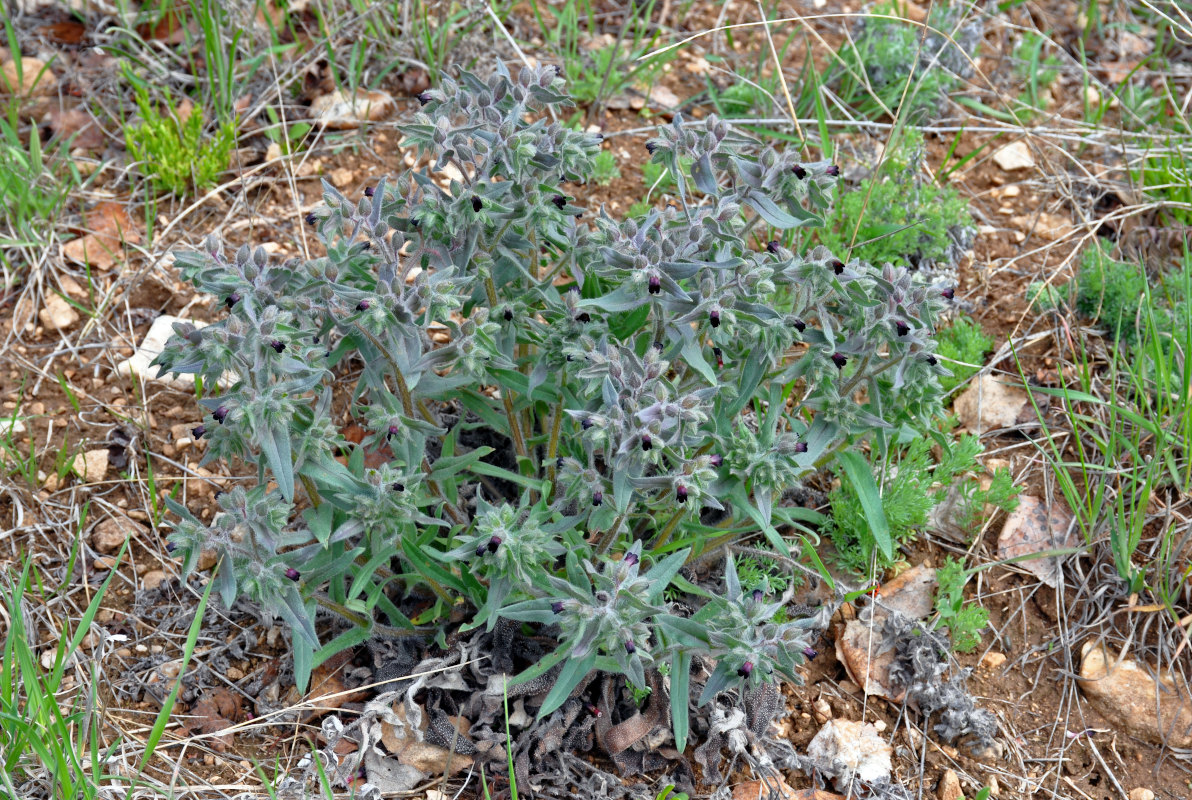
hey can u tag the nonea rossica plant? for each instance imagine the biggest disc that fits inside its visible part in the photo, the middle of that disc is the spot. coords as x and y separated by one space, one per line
559 411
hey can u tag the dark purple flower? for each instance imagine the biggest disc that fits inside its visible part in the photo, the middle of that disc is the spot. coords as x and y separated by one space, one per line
758 594
557 606
369 191
658 346
583 316
810 652
293 574
716 460
948 293
477 204
800 173
232 299
931 360
839 359
714 318
651 146
772 246
424 98
630 647
832 171
494 543
559 201
559 462
902 328
586 423
597 498
398 487
481 549
800 447
312 219
394 430
362 305
716 351
799 325
277 345
198 431
220 414
170 547
746 669
681 493
631 559
837 265
655 285
647 441
509 315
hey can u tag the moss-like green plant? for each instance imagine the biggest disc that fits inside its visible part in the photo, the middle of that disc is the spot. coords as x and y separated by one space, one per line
906 221
962 341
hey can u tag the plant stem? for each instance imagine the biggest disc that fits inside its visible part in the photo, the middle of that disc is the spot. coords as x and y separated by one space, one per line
375 627
667 530
515 432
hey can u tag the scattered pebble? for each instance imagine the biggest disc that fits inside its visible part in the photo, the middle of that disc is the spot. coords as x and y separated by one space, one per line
1014 156
10 426
110 533
1141 793
949 787
104 563
154 578
1037 526
992 660
91 466
57 314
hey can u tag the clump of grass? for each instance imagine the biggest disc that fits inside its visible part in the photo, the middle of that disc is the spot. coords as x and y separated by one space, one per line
906 221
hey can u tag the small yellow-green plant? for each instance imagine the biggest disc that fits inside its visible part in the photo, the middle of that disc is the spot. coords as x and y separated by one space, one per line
174 152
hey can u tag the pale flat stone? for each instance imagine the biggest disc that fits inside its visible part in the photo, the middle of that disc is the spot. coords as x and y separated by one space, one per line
949 787
10 426
1014 156
988 404
1128 697
110 534
35 78
57 314
154 578
858 746
91 466
342 110
1037 527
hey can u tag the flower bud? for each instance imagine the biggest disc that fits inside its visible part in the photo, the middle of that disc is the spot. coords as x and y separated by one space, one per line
362 305
651 146
758 594
810 652
477 204
714 318
716 460
312 219
398 487
277 345
647 441
630 647
559 201
931 360
800 173
597 498
902 328
494 543
837 265
198 431
839 359
591 709
716 351
772 246
583 316
424 98
746 669
232 299
557 606
293 574
508 315
170 546
220 414
369 191
832 171
655 285
681 493
393 431
799 325
481 549
586 423
948 293
631 559
800 447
